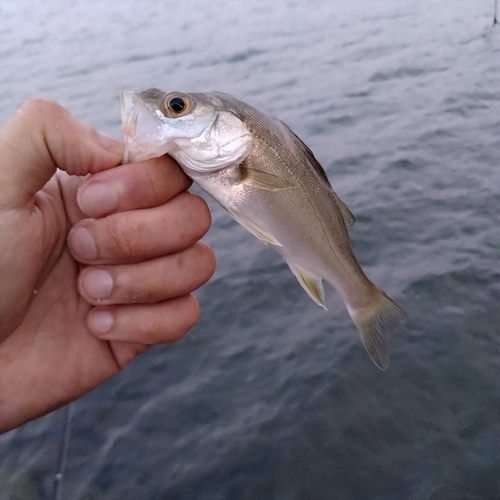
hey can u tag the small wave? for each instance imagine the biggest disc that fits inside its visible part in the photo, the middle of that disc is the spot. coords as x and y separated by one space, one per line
363 93
401 164
322 127
399 73
231 59
141 57
404 72
149 56
244 56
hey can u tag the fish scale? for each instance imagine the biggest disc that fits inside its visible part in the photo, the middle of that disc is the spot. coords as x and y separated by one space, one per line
317 228
257 169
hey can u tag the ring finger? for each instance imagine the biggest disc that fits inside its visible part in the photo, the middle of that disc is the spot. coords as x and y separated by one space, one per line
149 281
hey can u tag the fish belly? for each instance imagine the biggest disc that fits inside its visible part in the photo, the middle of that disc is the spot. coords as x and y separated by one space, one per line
307 229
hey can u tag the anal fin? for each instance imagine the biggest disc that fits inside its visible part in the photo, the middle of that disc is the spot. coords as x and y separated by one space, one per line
312 285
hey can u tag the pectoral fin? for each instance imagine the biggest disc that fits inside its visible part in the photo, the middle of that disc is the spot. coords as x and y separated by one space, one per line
251 226
263 180
312 285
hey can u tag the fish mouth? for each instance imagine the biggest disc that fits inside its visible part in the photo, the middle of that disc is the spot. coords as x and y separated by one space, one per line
144 138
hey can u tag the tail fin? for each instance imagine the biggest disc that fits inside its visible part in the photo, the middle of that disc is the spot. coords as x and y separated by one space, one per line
375 323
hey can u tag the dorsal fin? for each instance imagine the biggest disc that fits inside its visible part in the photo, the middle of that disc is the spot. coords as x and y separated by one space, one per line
349 219
309 154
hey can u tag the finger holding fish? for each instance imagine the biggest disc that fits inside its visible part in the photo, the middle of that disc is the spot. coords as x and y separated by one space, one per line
132 186
140 243
145 324
150 281
136 235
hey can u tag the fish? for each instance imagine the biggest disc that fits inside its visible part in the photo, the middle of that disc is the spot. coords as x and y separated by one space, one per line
269 181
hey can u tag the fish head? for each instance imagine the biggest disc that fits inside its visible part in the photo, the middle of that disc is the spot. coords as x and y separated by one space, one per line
193 128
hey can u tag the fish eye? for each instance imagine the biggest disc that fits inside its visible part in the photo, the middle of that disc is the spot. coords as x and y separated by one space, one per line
176 105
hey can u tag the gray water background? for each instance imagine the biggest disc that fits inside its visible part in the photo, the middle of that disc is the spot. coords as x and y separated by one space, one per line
269 396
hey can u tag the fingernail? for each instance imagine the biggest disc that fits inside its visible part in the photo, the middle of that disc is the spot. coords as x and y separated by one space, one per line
97 199
83 244
100 322
97 284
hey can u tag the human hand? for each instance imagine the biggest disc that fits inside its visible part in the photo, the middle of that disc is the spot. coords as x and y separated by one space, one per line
63 330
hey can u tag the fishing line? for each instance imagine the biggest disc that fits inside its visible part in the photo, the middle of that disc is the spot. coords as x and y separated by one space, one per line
66 414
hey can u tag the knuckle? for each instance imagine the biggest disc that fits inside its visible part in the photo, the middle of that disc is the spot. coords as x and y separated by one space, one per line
41 106
153 182
198 212
207 258
148 288
124 242
193 314
133 286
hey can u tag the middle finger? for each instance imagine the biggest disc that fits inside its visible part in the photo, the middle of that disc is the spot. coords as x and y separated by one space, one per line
138 235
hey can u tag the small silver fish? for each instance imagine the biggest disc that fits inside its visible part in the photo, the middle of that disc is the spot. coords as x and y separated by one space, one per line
271 183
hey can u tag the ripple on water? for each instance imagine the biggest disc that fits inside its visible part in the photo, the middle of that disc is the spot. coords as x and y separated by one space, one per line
269 396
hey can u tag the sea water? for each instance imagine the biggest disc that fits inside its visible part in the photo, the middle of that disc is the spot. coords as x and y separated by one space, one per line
269 396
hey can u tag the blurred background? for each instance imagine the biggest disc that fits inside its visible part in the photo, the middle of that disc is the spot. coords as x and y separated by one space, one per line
269 396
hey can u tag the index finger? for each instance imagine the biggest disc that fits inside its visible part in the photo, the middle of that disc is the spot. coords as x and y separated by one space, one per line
41 137
132 186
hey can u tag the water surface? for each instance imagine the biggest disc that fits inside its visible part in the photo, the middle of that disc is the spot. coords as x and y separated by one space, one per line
269 396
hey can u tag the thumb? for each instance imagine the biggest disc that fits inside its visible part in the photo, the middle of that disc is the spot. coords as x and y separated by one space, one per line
42 137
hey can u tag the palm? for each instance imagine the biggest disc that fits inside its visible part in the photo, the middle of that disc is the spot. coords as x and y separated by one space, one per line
52 347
